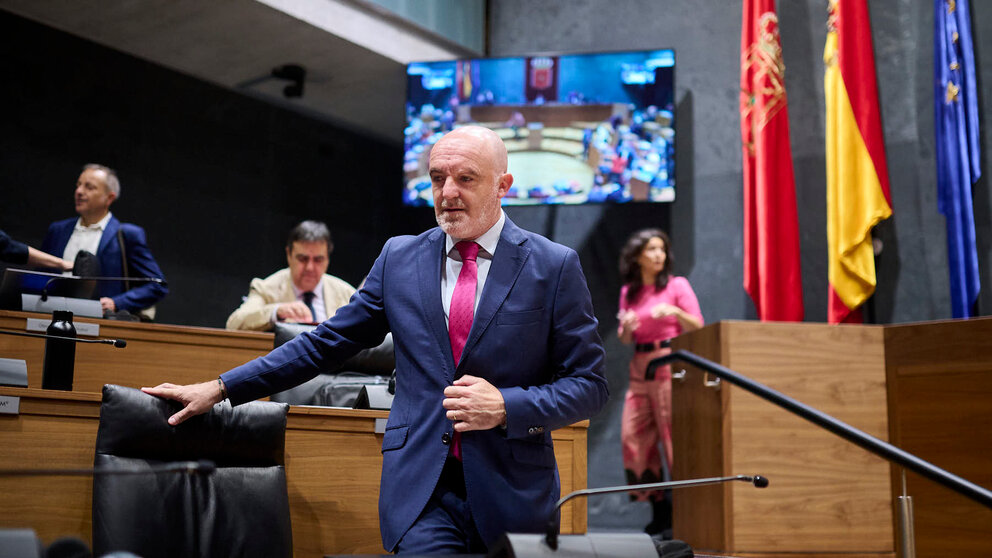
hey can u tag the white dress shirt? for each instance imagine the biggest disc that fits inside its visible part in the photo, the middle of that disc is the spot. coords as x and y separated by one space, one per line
453 263
319 308
85 237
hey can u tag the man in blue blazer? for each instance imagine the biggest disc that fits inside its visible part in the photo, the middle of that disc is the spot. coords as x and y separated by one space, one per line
97 231
467 452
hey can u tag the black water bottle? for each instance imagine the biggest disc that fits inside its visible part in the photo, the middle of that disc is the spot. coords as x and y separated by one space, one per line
60 355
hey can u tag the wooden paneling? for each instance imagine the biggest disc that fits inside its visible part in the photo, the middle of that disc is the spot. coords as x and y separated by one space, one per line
333 463
940 378
702 514
56 433
155 353
332 455
826 495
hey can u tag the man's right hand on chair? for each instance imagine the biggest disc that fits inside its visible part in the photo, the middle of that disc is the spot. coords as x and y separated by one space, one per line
196 398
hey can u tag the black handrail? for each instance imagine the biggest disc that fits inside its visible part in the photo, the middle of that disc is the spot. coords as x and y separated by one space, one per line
842 429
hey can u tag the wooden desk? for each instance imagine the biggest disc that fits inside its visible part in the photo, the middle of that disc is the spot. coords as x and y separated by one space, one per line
333 463
155 353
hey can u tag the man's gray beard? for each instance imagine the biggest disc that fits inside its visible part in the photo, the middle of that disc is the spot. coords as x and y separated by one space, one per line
446 225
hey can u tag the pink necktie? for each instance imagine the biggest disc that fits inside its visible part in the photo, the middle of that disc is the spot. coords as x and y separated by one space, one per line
463 299
461 311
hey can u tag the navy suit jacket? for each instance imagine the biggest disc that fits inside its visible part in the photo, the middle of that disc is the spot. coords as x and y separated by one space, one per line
534 336
139 261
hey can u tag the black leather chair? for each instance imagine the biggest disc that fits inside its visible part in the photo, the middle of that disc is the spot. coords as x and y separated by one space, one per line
339 387
240 509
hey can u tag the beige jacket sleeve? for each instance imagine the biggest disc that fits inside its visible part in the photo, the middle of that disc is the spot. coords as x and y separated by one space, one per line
264 295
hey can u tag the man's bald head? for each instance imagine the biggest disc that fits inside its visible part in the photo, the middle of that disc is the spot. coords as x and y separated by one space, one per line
486 138
468 179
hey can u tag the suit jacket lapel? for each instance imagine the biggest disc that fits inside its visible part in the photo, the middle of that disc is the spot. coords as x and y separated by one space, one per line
431 252
325 291
63 237
285 292
508 261
109 235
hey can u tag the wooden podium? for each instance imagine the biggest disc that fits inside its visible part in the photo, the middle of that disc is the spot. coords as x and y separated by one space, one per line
939 378
827 497
926 388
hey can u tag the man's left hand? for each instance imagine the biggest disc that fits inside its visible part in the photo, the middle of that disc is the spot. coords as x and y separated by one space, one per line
474 404
108 304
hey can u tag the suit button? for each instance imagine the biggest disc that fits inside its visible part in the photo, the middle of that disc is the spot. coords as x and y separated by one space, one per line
535 430
445 438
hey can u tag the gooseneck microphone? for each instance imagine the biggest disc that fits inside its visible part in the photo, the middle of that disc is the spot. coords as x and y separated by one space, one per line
119 343
551 535
44 290
201 467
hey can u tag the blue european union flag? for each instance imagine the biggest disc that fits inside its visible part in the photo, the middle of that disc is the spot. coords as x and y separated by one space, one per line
958 165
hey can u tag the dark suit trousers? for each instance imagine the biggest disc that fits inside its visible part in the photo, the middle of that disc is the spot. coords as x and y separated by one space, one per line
446 525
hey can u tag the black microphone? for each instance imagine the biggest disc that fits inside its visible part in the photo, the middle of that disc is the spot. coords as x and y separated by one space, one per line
201 467
119 343
551 536
44 290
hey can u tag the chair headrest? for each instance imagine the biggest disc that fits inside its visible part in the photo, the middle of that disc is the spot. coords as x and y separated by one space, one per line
284 331
376 360
134 424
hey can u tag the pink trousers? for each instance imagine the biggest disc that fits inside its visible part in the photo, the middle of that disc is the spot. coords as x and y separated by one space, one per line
646 422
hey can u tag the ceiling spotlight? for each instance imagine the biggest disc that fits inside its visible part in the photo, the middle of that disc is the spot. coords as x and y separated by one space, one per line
294 73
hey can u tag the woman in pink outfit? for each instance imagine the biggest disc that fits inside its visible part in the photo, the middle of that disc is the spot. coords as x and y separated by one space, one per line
655 306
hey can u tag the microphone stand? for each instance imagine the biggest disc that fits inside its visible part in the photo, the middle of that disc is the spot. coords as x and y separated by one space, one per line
551 535
44 290
119 343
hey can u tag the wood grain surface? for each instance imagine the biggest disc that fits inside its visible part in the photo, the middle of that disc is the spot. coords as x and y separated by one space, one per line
333 464
155 353
826 495
940 385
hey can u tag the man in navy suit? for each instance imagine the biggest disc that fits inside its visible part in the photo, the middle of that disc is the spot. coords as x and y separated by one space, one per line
98 232
467 452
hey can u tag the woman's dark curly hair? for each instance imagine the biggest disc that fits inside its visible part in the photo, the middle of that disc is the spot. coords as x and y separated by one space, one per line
630 270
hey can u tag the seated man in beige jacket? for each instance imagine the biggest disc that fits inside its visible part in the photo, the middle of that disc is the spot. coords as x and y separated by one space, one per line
301 293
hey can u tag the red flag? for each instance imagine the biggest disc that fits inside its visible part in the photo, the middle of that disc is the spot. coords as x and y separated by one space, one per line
771 226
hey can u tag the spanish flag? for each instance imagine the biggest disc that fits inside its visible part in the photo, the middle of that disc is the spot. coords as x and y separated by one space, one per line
857 176
771 225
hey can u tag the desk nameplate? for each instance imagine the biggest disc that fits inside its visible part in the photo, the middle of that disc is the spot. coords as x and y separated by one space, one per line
10 405
82 328
78 306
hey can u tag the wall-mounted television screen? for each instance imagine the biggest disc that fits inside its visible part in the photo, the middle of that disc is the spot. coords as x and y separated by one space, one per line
579 128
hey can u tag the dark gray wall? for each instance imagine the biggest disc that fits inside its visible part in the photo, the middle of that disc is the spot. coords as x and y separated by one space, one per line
217 178
706 218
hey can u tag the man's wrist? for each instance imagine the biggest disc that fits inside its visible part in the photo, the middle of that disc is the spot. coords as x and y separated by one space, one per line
223 388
